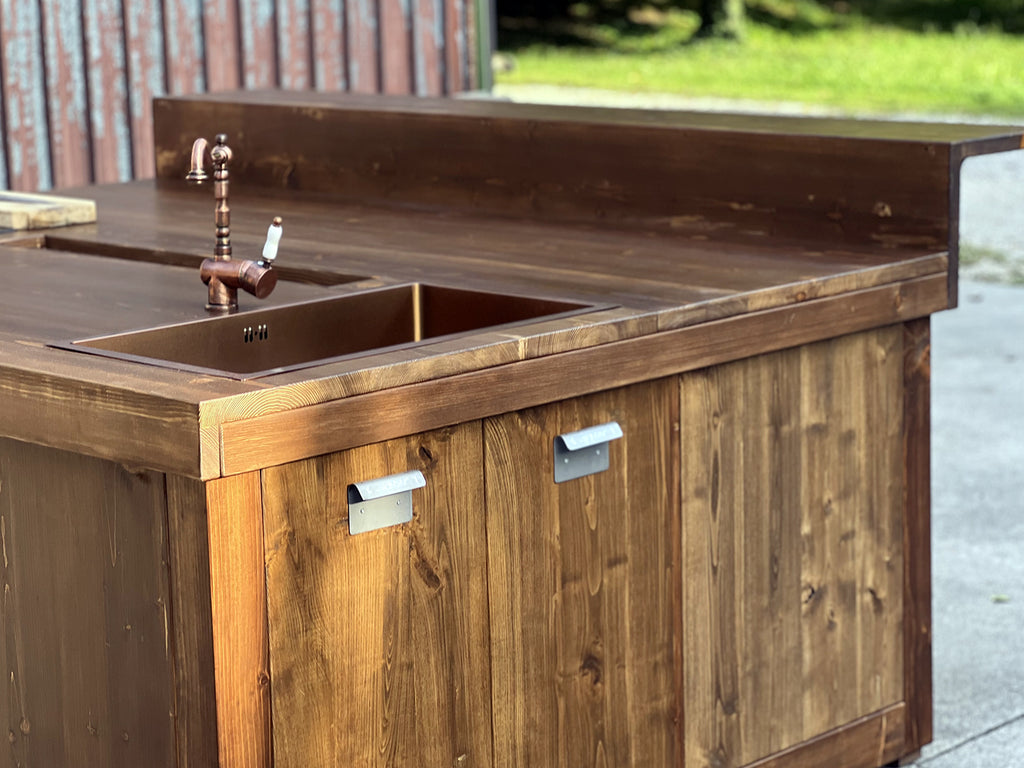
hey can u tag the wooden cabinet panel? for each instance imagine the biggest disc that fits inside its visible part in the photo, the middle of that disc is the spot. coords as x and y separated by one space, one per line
792 499
582 582
85 661
379 645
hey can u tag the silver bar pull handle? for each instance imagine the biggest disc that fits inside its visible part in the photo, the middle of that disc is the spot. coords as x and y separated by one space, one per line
585 452
382 502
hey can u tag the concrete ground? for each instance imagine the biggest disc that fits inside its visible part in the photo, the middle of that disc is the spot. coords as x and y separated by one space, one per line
977 458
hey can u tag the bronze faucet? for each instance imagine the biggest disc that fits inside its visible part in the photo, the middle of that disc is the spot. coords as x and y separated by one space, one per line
222 275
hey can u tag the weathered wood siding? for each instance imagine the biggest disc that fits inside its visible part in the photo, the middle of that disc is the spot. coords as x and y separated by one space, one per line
77 76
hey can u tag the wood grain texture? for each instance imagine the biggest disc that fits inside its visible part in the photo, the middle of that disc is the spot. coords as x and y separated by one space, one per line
67 99
183 47
329 48
188 562
144 34
23 88
428 47
870 742
582 595
917 596
361 35
99 420
108 86
223 49
238 601
396 25
379 641
294 45
293 434
85 654
259 44
818 181
793 545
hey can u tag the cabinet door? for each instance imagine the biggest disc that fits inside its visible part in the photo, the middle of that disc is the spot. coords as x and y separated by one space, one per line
792 544
581 585
378 641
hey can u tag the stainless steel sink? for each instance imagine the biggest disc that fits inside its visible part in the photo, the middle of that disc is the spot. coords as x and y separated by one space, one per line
268 341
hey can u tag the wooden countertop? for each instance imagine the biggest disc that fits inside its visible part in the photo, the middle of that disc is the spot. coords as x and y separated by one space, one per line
684 298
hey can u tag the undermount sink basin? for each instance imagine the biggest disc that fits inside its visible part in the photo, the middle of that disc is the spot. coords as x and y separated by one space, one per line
268 341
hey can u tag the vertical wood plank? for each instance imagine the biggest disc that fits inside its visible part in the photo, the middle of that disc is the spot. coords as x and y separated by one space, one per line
195 702
582 598
259 46
144 31
84 645
24 96
456 39
396 46
362 43
184 46
329 54
239 619
67 95
792 541
223 49
380 646
917 532
294 62
428 50
108 91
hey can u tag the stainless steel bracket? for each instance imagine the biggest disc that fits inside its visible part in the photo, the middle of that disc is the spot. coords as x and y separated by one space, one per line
585 452
383 502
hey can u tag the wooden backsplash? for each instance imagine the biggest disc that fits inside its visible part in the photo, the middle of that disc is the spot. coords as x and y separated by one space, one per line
77 76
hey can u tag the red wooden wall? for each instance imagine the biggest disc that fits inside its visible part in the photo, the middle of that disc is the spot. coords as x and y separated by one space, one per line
77 76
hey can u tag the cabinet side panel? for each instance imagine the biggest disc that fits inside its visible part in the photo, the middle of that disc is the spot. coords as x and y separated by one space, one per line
238 610
379 640
84 652
582 600
917 533
792 544
195 719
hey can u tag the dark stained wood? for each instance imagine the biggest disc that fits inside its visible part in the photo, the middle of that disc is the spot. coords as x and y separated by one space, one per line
293 434
238 602
188 563
866 743
792 545
581 591
85 654
379 641
747 179
100 420
917 597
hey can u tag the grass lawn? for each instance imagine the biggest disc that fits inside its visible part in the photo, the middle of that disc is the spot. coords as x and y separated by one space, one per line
857 66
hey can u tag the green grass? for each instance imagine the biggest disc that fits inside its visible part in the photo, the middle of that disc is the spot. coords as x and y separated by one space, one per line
856 66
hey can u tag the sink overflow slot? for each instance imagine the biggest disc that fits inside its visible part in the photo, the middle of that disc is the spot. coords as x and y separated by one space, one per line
258 333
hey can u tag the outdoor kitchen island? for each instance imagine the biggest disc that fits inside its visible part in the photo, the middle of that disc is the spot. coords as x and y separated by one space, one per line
717 325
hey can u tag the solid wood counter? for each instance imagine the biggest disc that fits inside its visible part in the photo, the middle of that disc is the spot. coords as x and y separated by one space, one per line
661 284
714 237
